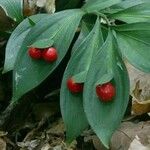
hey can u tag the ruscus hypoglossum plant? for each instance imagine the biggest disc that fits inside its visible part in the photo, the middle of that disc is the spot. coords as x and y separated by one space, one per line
95 86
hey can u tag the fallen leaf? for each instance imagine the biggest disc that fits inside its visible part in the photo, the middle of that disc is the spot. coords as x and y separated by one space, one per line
50 6
2 144
46 147
57 128
124 136
139 90
2 133
30 145
140 108
41 3
29 7
137 145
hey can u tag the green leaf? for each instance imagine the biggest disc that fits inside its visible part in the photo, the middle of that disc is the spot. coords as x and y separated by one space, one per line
87 24
60 27
71 104
97 5
105 78
16 40
13 9
138 13
80 77
133 40
32 23
105 117
44 43
123 5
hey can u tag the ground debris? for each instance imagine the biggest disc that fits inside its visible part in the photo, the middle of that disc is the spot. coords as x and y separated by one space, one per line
2 144
139 89
50 138
122 139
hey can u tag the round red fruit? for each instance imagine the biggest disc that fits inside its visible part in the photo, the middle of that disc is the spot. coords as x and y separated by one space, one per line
74 87
34 53
106 92
50 54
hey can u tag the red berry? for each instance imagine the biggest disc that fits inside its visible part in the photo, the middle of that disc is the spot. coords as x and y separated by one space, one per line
34 53
50 54
106 91
74 87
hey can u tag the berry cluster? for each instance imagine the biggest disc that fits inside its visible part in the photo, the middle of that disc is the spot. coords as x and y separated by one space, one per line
48 54
105 92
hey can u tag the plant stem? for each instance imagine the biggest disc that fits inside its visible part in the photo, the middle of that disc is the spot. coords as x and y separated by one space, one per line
104 17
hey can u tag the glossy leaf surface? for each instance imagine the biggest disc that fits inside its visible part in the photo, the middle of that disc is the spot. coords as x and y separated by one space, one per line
60 27
72 104
97 5
138 13
105 117
133 40
13 9
16 40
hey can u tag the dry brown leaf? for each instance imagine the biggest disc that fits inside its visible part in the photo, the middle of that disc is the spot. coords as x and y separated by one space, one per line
2 133
46 147
127 133
2 144
48 4
30 6
137 145
124 136
140 108
57 128
140 90
142 80
30 145
41 3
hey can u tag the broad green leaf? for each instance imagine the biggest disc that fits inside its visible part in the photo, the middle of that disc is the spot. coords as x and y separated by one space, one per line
32 23
13 9
87 24
60 27
97 5
138 13
124 5
104 31
133 40
44 43
16 40
72 104
105 78
105 117
80 77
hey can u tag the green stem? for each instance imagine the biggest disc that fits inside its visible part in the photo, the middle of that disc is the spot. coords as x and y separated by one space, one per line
104 17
